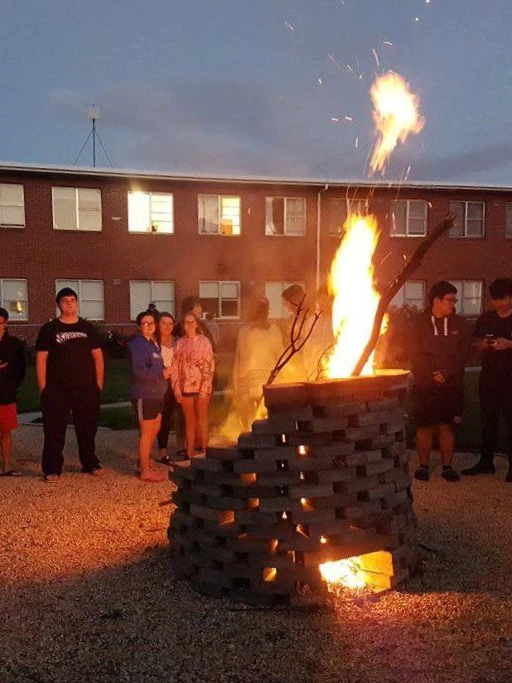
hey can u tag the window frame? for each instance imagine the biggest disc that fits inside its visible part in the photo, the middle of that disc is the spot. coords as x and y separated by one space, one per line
460 285
285 233
152 283
3 302
219 231
13 226
219 298
80 281
284 285
407 233
348 212
77 208
465 204
406 299
149 230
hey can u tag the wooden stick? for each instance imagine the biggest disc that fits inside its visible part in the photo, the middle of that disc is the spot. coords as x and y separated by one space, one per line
412 264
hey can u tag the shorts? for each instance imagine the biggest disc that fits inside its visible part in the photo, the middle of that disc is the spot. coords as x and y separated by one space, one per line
8 418
148 408
437 405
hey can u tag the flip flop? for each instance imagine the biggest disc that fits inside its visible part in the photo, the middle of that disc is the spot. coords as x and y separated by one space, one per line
11 473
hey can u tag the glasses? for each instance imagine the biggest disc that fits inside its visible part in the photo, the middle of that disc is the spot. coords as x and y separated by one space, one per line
147 324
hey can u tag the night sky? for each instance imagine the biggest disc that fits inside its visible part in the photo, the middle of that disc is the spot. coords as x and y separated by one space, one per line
251 87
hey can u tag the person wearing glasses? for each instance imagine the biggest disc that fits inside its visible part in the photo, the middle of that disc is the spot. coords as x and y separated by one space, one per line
439 343
148 384
192 372
12 372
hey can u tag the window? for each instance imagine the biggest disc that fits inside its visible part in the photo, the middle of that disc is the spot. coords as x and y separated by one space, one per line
76 209
469 294
90 297
220 299
273 291
150 212
408 218
12 206
412 294
508 227
339 209
14 298
145 292
219 215
470 219
285 216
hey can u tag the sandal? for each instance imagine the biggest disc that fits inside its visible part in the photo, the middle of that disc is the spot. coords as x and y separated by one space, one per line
11 473
153 477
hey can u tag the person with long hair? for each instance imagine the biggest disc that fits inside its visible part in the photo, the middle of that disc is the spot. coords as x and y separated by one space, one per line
167 341
148 384
192 371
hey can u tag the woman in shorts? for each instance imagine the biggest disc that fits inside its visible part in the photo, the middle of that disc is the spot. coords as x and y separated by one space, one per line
148 384
192 371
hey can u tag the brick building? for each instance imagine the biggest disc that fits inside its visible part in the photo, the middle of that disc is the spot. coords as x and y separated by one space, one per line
124 239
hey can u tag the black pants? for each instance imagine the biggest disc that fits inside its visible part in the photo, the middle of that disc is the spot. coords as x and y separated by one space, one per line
57 402
168 413
494 403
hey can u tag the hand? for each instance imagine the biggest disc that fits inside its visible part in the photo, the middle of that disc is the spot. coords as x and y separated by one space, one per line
438 377
100 386
501 344
179 399
3 365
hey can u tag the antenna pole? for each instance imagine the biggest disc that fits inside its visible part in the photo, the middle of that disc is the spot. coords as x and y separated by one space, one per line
94 143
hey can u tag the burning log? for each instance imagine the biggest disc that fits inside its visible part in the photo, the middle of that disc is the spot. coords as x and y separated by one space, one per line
412 264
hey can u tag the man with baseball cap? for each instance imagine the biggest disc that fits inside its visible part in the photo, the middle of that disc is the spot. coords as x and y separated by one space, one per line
439 344
69 368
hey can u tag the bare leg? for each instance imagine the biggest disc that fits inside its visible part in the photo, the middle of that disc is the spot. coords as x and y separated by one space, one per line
424 439
201 405
187 405
148 429
6 442
446 443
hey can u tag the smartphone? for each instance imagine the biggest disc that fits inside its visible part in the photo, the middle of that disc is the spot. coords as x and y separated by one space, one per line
490 339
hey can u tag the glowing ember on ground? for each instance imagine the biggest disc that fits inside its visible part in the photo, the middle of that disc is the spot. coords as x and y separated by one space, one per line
355 299
343 573
395 113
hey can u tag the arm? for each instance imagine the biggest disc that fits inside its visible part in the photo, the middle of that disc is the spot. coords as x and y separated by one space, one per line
421 365
142 366
21 365
176 373
41 362
99 365
207 368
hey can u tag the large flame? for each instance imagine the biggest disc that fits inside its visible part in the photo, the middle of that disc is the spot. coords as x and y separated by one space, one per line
395 113
343 573
355 298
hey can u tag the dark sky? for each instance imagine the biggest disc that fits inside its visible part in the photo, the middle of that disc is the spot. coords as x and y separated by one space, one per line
239 87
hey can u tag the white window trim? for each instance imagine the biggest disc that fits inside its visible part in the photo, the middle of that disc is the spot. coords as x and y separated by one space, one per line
76 189
81 281
465 236
151 289
12 226
224 282
407 216
285 233
13 279
348 203
219 197
403 288
284 285
462 298
149 230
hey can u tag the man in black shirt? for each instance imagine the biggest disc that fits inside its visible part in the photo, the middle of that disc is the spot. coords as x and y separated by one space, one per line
69 367
493 334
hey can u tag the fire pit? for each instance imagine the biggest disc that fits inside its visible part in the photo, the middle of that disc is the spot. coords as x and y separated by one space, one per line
315 498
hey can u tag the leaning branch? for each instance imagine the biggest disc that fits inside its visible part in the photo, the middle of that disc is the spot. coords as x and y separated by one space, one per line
394 287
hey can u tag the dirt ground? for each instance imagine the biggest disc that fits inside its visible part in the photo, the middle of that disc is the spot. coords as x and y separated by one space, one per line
87 592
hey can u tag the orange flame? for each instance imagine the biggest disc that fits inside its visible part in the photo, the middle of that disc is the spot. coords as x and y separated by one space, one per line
355 298
395 113
345 573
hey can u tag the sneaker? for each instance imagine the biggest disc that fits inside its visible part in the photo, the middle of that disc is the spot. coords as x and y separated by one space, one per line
97 472
50 478
509 474
422 474
481 467
171 460
449 474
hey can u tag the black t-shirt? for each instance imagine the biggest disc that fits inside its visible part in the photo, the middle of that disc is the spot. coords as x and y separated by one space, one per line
70 362
496 365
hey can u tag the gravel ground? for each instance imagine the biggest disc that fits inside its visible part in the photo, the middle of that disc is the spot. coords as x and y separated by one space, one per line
87 593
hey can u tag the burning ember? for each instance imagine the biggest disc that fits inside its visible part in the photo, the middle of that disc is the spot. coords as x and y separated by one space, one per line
346 573
355 298
395 113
